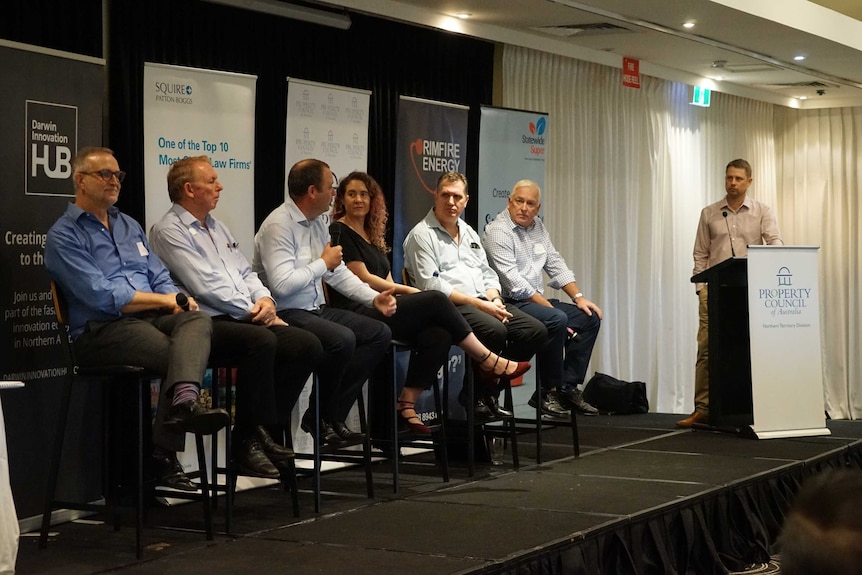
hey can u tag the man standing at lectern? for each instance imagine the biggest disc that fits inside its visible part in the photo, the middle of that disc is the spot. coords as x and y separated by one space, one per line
726 229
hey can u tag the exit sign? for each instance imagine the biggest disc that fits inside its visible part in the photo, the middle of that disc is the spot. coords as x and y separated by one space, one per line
701 96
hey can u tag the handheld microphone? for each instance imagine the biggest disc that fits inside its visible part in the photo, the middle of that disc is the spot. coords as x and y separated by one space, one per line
334 233
182 301
730 237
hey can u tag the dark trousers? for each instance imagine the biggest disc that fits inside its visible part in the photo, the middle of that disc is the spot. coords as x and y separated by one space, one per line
273 363
519 338
554 370
353 345
177 346
430 324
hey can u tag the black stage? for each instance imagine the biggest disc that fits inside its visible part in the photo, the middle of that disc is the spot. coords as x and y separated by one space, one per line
643 497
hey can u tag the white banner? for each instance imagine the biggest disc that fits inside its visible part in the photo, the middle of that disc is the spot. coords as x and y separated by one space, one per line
329 123
784 325
193 112
512 146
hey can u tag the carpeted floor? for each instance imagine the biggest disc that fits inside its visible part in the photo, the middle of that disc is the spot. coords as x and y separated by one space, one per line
630 467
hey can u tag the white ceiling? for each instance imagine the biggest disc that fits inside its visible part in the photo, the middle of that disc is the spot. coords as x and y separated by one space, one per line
756 39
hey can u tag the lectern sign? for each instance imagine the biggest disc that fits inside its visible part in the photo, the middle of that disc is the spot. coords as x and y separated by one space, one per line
784 324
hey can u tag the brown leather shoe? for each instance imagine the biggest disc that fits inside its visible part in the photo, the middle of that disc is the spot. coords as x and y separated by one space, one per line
696 417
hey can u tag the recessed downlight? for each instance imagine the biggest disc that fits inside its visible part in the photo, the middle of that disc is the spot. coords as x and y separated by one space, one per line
799 58
688 25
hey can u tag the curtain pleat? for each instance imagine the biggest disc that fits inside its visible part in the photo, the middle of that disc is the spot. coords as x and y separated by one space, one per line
627 174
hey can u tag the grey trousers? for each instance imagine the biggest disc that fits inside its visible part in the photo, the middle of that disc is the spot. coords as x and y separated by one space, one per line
176 346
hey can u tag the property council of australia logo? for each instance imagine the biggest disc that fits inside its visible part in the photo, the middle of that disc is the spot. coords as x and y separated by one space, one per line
784 299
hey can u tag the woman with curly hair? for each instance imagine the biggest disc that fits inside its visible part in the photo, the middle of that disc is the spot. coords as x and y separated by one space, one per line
425 319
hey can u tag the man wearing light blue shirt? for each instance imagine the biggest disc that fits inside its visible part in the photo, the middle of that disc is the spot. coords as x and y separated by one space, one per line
520 250
293 256
273 360
125 310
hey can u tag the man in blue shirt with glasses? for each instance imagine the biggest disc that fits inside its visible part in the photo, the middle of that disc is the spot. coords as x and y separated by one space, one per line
124 309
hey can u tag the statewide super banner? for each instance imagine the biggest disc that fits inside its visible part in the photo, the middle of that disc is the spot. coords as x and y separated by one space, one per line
432 140
194 112
329 123
512 147
52 105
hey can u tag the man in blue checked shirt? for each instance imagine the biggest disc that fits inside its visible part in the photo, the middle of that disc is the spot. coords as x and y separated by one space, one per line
520 251
273 359
124 309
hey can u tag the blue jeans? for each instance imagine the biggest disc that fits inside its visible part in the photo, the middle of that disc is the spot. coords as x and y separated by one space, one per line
563 366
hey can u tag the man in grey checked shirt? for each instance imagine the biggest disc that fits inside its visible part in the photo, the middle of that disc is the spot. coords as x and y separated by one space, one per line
520 250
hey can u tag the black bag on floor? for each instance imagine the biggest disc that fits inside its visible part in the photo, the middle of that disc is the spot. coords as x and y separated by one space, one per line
611 395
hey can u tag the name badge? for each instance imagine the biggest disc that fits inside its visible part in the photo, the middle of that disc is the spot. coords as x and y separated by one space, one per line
142 249
538 249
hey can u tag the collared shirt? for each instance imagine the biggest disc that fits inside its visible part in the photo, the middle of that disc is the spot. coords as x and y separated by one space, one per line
287 250
519 256
206 263
435 261
752 224
100 269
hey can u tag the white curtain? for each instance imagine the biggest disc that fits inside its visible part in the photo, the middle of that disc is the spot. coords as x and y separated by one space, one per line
818 174
628 171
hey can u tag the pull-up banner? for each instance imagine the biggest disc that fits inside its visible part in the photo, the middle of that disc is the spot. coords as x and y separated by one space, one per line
432 140
52 105
194 112
329 123
513 145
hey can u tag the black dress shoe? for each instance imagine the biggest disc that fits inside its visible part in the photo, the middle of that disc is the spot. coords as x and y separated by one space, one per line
249 459
192 417
550 406
493 404
169 472
273 450
346 435
327 434
573 399
480 410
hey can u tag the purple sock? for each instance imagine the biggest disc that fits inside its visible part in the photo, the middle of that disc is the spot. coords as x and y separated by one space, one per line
183 392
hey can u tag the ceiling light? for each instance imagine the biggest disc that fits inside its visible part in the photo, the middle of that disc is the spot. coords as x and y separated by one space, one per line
803 97
688 24
294 11
799 58
463 15
719 78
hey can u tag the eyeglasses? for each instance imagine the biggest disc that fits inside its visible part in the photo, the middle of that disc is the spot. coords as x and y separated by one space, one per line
107 175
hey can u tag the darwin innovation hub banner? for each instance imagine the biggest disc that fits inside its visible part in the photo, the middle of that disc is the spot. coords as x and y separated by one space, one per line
52 105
